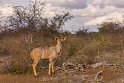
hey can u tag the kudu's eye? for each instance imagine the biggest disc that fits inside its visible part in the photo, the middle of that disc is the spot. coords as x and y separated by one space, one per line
56 38
63 38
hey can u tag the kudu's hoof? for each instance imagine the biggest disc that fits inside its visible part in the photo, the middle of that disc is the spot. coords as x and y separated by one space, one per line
49 73
36 76
53 72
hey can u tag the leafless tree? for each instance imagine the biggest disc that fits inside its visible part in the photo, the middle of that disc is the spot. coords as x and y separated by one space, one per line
32 18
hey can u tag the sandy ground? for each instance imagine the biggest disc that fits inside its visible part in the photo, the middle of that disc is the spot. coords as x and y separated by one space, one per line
110 75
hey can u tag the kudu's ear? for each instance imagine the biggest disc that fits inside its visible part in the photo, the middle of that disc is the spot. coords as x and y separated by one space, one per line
56 39
63 38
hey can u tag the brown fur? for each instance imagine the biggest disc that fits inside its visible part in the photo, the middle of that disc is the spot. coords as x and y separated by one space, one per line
50 53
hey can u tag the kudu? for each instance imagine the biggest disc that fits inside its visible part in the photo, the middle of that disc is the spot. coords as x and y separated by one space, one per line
50 53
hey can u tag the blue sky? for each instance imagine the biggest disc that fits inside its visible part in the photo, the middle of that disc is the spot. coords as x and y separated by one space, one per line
87 13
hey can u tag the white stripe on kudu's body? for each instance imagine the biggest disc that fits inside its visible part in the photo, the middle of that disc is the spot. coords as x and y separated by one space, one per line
50 53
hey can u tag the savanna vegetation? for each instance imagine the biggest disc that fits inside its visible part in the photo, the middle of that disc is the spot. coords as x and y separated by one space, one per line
28 28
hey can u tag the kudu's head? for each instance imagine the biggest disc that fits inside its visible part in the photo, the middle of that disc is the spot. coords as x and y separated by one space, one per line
59 40
59 45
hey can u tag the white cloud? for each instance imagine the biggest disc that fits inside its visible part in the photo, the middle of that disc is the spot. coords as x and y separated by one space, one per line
114 16
107 2
51 10
117 3
69 4
6 10
96 10
0 12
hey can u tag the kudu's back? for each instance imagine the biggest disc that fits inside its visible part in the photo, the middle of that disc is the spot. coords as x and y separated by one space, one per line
43 53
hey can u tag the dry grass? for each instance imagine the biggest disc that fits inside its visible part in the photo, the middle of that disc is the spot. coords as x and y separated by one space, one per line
90 50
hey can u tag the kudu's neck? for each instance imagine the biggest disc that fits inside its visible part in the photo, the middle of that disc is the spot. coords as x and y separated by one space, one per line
58 47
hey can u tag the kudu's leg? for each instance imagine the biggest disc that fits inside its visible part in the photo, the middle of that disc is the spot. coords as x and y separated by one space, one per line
50 64
53 69
34 66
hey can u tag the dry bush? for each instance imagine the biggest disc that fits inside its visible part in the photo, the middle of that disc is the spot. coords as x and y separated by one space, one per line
18 50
